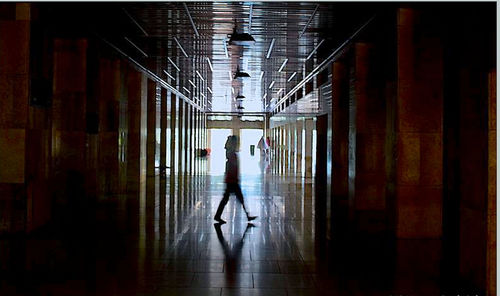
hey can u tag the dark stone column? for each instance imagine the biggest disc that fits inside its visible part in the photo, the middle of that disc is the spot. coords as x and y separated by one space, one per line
164 125
110 86
370 122
151 127
299 128
181 145
309 126
69 129
174 141
151 112
187 141
419 166
477 187
14 86
491 237
340 120
419 146
137 124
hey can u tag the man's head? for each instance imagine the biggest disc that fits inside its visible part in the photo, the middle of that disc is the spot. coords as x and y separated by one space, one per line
232 143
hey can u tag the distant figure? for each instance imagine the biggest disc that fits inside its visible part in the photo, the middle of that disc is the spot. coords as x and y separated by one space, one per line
264 154
263 146
231 179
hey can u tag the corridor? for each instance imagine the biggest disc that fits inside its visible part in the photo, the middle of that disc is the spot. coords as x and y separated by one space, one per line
363 136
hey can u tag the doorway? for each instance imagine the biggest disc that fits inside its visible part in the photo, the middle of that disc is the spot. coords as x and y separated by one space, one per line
250 164
217 158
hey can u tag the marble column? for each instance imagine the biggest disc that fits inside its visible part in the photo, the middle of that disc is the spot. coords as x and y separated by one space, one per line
282 139
286 149
273 150
419 165
309 128
137 127
370 129
340 128
109 112
164 125
69 138
174 141
195 141
299 127
151 127
293 149
38 133
477 175
187 141
491 212
150 150
14 85
181 145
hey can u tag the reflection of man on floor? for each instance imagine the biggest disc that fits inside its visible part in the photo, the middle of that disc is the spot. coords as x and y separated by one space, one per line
231 179
232 255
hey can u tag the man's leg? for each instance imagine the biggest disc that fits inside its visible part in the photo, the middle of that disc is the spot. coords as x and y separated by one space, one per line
222 204
239 196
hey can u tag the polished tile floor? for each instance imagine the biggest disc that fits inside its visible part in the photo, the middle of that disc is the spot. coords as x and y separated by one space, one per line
164 242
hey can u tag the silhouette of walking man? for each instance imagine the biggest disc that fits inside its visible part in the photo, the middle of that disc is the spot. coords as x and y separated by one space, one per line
231 179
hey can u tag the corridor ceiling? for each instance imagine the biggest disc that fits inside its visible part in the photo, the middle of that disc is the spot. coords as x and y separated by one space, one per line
187 44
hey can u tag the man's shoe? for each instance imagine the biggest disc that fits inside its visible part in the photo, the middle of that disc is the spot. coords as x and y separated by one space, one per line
251 218
219 219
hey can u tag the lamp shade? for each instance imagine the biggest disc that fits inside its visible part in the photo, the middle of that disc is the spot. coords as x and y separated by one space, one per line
241 74
241 38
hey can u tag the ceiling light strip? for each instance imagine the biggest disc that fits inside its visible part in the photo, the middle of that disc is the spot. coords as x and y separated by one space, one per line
153 76
201 77
331 58
291 77
136 47
192 83
271 85
210 65
168 74
279 91
224 42
186 89
315 49
283 65
270 48
173 64
209 90
250 18
191 20
309 21
261 75
135 22
180 47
